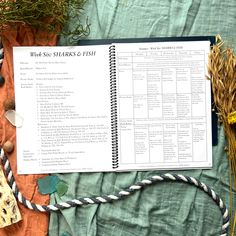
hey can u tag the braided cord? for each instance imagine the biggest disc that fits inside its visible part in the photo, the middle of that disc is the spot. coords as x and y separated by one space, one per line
1 53
118 196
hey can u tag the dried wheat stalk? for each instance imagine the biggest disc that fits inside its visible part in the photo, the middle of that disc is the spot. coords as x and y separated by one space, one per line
222 73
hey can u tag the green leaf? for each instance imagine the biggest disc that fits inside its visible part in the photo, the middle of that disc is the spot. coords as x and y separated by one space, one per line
61 188
47 185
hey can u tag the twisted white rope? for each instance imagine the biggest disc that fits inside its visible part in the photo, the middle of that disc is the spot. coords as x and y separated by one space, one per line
1 53
118 196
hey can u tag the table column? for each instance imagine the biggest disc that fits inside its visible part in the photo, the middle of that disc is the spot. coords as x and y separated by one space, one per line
169 101
126 111
154 91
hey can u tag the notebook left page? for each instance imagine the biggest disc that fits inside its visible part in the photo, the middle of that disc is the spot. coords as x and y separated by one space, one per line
63 95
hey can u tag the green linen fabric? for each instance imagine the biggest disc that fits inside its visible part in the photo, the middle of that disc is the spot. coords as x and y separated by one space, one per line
164 209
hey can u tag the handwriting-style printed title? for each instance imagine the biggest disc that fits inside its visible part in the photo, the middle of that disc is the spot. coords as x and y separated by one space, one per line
63 54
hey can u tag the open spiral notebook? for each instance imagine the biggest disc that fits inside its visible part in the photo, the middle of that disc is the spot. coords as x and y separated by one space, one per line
114 106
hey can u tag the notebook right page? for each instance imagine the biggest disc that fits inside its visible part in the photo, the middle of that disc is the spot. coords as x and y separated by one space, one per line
164 105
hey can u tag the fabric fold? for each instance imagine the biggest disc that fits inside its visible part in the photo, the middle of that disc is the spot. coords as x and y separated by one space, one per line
33 223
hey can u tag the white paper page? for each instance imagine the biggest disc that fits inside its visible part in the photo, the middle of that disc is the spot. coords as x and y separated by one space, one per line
164 105
63 94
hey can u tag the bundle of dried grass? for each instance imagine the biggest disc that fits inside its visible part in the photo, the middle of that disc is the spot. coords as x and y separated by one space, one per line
42 14
222 73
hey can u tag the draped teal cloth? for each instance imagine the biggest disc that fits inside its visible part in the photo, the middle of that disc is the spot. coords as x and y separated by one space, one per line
165 208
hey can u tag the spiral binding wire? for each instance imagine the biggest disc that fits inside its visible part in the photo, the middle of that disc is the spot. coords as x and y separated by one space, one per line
113 98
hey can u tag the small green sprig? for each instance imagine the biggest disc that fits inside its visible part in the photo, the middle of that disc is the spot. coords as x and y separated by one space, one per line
49 15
